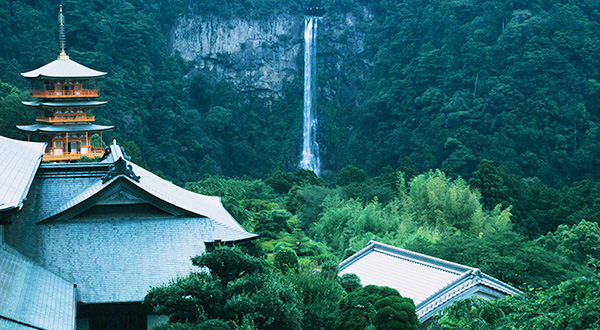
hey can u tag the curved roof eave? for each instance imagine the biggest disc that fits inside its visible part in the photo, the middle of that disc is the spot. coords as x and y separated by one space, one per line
63 68
68 128
64 104
203 206
225 232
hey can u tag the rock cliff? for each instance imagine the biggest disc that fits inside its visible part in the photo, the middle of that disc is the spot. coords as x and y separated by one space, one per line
260 55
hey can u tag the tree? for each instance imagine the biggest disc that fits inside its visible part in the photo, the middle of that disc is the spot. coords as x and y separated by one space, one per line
319 298
395 312
574 242
286 260
507 256
381 307
350 174
436 200
490 184
239 290
350 282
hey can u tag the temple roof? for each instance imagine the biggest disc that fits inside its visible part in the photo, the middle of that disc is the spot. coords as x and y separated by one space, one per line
115 229
69 128
32 297
19 161
63 68
201 205
64 104
430 282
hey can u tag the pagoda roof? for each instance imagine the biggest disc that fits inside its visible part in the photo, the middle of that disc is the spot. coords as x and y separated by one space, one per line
19 161
63 68
64 104
68 128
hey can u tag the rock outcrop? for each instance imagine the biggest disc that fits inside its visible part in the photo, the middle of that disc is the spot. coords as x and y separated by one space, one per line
261 55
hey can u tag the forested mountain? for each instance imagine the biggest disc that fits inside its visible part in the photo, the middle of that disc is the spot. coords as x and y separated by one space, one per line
467 130
445 83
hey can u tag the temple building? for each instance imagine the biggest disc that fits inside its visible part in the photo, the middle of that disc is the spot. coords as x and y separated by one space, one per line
65 91
81 243
432 283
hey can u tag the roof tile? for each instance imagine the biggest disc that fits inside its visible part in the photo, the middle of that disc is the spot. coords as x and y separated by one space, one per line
19 161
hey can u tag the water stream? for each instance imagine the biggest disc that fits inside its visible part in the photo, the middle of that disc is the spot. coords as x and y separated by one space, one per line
310 147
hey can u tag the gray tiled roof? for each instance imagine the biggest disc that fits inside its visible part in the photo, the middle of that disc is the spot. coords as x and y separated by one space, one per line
48 128
63 68
119 259
202 205
115 258
19 161
31 296
432 283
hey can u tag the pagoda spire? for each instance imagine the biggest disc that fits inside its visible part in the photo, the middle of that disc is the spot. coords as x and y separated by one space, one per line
61 35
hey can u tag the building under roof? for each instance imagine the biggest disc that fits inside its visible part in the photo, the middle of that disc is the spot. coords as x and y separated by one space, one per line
95 234
65 92
111 228
430 282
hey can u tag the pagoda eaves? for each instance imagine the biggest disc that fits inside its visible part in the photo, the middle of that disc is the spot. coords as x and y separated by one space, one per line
65 91
63 69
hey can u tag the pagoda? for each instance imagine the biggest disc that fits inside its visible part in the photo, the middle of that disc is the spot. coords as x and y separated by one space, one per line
65 91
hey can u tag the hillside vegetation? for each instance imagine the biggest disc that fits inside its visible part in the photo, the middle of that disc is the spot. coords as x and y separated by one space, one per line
473 137
449 84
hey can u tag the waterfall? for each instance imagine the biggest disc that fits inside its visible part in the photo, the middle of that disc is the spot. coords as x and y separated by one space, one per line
310 148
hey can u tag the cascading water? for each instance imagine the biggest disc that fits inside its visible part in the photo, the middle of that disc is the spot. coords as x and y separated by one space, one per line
310 148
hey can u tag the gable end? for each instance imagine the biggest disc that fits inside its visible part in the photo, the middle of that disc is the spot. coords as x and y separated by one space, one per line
119 197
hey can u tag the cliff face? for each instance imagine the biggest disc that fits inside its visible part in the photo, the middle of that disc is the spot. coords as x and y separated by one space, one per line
260 55
257 55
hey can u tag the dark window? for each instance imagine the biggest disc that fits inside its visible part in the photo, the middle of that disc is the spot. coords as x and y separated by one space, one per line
118 322
114 316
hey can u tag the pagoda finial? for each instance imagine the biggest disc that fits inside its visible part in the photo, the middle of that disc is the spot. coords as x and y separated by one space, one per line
61 35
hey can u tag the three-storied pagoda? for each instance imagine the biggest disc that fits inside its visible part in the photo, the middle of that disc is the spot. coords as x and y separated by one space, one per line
66 91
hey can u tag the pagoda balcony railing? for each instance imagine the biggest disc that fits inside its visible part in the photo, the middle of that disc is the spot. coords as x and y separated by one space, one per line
48 94
65 119
70 156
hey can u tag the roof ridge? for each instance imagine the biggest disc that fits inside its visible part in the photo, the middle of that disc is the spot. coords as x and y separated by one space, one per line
420 262
423 258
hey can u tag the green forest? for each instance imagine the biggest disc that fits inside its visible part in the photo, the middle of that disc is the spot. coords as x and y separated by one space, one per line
473 136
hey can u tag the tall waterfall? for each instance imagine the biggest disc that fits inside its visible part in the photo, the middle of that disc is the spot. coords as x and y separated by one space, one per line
310 147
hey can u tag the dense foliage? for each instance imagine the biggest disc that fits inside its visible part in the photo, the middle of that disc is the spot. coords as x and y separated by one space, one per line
244 292
308 225
297 215
457 81
446 83
467 130
574 304
240 290
378 307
